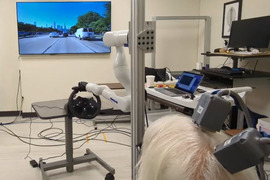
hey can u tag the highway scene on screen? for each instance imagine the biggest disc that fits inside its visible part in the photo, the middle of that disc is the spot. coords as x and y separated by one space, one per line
63 27
44 44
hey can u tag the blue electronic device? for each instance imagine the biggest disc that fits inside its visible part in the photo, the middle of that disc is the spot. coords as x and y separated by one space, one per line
189 82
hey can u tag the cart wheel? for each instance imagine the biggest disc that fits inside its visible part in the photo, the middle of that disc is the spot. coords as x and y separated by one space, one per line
109 176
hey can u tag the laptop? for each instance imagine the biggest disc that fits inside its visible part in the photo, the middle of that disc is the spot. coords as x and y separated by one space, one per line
186 84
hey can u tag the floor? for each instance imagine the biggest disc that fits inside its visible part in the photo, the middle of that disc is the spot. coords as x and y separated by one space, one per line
111 142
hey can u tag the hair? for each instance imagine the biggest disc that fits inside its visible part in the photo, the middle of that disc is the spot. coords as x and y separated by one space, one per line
174 148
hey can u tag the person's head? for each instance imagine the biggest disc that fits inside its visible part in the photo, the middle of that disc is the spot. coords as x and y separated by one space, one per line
174 148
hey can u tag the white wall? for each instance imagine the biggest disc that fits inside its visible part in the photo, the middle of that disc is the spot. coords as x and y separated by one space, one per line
259 99
214 9
8 57
51 77
177 40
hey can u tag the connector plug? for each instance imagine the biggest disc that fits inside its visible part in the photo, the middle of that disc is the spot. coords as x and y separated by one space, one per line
34 163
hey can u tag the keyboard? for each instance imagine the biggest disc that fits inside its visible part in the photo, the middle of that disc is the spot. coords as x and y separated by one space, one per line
171 91
246 52
222 71
243 52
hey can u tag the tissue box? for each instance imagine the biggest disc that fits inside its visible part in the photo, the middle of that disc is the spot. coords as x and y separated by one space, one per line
263 125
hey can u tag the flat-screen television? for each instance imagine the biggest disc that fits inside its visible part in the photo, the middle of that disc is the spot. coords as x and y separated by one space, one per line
63 27
250 33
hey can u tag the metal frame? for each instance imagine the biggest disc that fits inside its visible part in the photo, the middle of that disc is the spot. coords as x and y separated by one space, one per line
70 161
137 26
207 33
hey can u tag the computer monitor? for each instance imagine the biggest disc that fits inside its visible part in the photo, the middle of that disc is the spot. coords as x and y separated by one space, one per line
250 33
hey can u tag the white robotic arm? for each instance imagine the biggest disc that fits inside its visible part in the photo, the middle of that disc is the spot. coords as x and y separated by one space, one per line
121 71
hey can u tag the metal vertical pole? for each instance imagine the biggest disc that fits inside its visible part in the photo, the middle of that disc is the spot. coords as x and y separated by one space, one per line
207 39
69 143
137 80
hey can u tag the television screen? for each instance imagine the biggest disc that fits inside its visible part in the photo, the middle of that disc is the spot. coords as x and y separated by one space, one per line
63 27
250 33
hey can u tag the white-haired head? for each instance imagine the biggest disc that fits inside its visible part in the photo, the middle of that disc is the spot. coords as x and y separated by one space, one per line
174 148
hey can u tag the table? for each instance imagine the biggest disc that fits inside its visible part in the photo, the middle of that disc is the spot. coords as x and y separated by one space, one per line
258 100
187 105
235 57
184 105
57 109
113 85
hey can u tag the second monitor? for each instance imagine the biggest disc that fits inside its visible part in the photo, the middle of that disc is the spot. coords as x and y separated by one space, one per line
250 33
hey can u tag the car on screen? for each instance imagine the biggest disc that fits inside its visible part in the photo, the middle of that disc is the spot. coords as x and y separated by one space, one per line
85 33
53 35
